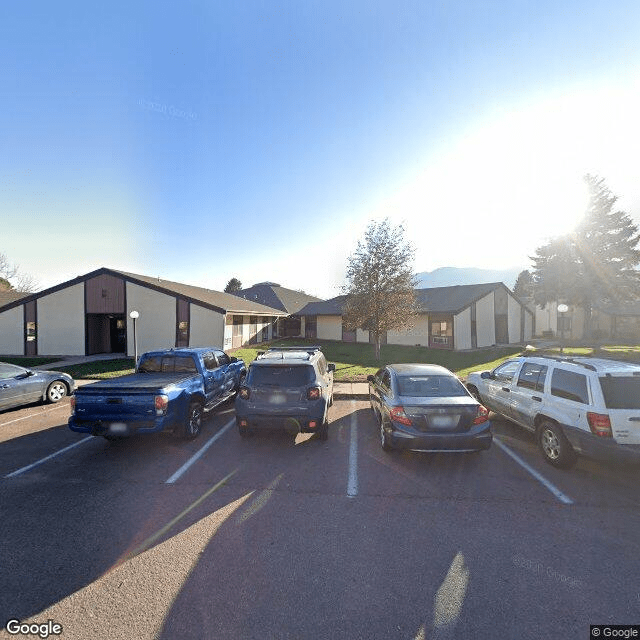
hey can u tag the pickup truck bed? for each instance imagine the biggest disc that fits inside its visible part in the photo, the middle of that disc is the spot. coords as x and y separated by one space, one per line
157 398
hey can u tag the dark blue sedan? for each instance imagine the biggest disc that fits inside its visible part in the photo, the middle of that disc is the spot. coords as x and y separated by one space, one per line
424 407
20 386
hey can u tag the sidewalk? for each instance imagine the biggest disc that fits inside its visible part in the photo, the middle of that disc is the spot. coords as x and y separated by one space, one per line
351 390
71 360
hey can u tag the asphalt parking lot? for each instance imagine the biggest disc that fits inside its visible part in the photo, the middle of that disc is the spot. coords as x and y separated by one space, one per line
276 537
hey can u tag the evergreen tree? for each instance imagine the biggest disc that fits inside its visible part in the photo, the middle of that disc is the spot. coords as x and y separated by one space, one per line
594 264
233 285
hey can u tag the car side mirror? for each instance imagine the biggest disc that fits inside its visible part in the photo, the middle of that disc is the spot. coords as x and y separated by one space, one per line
233 359
370 378
331 366
486 375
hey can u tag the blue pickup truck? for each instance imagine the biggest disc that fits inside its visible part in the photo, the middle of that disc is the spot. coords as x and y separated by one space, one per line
170 391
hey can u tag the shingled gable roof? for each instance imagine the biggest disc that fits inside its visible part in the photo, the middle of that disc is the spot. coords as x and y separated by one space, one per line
433 300
273 295
454 299
214 300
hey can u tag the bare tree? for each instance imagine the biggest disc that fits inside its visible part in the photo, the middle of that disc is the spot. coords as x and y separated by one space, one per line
12 280
380 283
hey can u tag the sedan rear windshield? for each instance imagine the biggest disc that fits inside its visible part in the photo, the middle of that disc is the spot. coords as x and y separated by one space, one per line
621 392
431 386
281 375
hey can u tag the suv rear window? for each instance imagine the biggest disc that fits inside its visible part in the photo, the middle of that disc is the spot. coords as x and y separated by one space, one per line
281 375
621 392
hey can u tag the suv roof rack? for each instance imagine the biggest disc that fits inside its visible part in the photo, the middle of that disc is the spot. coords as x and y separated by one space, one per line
586 365
307 348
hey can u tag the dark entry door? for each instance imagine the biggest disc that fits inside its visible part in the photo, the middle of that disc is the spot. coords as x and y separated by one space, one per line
105 333
502 329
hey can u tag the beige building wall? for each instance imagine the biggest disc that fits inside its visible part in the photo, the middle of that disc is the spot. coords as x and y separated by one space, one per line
362 335
514 320
329 328
547 318
417 335
462 330
485 321
228 333
60 325
157 321
207 327
12 331
528 326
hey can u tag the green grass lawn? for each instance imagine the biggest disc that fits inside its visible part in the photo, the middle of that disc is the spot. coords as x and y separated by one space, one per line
34 361
354 361
100 369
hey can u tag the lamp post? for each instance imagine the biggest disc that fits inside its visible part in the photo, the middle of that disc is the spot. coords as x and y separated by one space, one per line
562 309
134 315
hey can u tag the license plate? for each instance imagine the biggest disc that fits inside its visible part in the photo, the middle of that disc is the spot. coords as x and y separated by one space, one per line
278 398
444 422
117 428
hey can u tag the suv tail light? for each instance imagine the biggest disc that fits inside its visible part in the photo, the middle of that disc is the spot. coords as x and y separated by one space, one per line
599 424
313 393
161 403
397 414
482 415
244 393
72 401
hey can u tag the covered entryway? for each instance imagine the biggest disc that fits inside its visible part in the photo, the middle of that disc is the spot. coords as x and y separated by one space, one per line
106 333
106 327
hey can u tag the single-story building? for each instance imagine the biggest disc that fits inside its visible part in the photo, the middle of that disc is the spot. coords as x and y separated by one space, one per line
608 321
90 315
457 317
278 297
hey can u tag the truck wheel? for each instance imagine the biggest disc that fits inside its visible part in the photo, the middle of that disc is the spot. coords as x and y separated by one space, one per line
555 447
56 391
194 420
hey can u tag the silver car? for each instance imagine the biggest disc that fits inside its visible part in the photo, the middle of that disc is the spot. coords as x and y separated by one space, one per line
19 386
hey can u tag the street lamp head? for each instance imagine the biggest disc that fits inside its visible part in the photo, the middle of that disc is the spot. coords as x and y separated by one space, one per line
563 308
134 315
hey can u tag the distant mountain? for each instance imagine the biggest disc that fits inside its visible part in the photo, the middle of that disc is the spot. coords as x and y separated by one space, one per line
450 276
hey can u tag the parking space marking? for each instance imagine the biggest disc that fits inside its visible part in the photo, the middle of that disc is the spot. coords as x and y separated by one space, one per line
52 455
196 456
539 477
352 482
34 415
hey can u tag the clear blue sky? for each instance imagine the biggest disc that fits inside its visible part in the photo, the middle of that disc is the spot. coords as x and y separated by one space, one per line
203 140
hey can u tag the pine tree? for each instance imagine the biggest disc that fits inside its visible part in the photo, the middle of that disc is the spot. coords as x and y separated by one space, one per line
594 264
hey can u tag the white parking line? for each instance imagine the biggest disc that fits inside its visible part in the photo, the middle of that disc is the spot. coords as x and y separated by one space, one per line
52 455
352 482
196 456
540 478
35 415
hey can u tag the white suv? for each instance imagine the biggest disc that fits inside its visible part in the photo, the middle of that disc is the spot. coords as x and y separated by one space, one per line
586 406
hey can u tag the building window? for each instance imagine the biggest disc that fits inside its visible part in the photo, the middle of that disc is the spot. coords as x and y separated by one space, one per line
183 333
31 332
